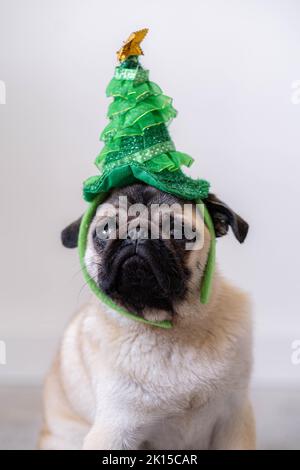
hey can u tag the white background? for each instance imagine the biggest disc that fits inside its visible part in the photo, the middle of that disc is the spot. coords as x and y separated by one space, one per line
229 65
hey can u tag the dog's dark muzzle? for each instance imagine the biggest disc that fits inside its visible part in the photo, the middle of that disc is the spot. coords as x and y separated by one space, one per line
142 272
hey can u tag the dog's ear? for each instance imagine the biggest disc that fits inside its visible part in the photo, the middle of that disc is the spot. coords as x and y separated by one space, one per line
69 236
222 216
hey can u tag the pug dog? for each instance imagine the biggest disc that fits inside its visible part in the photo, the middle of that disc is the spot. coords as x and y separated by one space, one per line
117 383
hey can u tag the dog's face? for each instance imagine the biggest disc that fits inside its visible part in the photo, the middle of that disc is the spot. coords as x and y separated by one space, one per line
135 269
147 249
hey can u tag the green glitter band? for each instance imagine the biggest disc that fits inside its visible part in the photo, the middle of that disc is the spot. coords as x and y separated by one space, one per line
131 145
137 75
140 157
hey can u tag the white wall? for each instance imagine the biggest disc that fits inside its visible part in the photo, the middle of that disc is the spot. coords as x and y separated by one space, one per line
230 66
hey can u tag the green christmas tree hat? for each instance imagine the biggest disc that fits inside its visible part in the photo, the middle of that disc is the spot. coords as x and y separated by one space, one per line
137 144
138 147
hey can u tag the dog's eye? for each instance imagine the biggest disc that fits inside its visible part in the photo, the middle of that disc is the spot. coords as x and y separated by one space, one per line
176 229
171 228
105 229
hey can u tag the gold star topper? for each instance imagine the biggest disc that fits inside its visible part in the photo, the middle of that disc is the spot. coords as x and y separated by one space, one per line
132 45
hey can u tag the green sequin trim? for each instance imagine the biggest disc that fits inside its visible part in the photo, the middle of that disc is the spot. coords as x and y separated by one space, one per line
140 157
133 145
174 182
137 75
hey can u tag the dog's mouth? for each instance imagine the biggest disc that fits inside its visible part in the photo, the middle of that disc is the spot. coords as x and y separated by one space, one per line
139 266
143 275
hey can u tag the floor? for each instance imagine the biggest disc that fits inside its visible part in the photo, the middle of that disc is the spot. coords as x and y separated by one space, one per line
277 415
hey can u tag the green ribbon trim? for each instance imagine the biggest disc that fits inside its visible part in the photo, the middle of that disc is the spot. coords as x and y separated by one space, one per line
137 75
82 244
141 156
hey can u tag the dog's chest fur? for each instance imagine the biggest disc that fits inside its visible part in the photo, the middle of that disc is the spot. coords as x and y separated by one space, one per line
173 384
162 370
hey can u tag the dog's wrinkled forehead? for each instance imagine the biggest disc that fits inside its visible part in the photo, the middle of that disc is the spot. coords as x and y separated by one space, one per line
139 205
138 200
142 194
